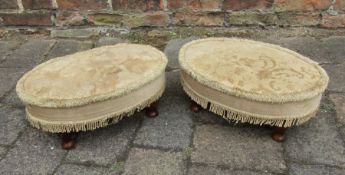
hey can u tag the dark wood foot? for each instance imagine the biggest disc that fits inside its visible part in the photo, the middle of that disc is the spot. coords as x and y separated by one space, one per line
152 111
278 134
195 107
68 141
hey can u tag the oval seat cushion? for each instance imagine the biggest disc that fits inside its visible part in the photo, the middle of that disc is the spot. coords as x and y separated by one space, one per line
93 88
251 81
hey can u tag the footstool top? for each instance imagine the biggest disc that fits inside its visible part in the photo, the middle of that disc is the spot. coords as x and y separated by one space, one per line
254 70
93 75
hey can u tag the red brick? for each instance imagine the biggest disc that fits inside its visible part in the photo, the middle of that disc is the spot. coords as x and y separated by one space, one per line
71 19
175 4
8 4
199 19
330 21
159 18
82 4
137 5
251 18
297 19
37 4
147 19
106 19
247 4
302 5
25 19
156 19
340 5
3 32
204 4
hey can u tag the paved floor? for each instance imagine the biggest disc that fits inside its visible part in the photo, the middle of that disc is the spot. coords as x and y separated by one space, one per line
178 141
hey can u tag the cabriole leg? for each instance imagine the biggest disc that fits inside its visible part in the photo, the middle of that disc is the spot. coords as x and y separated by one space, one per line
68 140
152 111
195 107
278 134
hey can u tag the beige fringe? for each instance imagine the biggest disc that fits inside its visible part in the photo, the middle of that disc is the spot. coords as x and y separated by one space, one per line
244 117
55 127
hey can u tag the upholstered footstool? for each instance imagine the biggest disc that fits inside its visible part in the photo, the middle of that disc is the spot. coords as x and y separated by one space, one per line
252 82
92 89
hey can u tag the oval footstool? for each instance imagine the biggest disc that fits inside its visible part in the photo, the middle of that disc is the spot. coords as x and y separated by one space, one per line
92 89
252 82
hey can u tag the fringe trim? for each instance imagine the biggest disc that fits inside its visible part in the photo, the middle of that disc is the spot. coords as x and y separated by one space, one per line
55 127
324 79
244 117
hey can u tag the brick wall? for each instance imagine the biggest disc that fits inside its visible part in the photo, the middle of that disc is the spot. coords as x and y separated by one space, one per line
162 13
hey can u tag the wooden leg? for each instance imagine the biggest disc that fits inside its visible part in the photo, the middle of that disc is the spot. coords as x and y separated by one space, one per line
152 111
68 141
195 107
278 134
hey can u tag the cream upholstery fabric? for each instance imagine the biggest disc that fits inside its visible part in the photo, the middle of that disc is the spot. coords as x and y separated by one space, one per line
264 81
93 88
93 75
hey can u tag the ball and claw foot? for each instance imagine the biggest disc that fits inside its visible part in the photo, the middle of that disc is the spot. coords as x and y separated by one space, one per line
68 141
152 111
195 107
278 134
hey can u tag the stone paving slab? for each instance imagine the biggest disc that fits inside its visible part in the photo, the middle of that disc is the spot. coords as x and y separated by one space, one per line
297 169
104 41
342 132
6 47
206 170
173 127
2 152
106 145
339 102
334 48
68 169
317 142
147 161
28 55
11 124
336 74
66 47
12 99
35 152
9 77
237 147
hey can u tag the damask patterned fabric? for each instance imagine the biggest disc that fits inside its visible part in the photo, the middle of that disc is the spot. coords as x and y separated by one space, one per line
93 75
254 71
